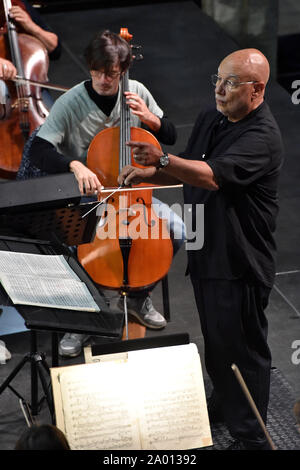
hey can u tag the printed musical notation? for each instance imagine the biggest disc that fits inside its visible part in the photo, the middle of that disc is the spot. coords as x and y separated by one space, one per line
44 280
154 401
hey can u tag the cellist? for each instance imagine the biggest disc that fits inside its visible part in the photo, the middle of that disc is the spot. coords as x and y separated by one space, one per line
76 117
29 21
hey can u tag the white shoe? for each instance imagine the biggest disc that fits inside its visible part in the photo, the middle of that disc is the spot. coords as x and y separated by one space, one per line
71 344
143 310
4 353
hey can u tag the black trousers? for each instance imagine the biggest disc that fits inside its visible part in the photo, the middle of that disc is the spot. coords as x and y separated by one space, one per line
234 328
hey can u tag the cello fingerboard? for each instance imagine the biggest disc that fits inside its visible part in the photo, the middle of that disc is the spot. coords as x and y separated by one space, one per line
125 151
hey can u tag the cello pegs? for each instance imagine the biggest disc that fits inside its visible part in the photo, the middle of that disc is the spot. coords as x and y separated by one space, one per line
138 57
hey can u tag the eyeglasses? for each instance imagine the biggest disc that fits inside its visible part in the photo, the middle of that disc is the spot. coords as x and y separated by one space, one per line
228 84
112 75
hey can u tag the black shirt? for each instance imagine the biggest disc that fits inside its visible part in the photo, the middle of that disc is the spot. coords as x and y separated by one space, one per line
239 218
104 102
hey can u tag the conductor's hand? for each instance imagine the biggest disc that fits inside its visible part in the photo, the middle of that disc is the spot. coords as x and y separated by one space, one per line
88 182
145 154
133 175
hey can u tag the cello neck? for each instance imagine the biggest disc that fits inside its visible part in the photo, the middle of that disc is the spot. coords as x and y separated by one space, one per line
125 152
13 39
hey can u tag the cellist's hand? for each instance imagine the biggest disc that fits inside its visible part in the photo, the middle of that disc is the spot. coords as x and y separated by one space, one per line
138 107
48 39
88 182
7 69
22 18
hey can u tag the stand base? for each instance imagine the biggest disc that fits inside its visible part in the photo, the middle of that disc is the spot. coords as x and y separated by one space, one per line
38 367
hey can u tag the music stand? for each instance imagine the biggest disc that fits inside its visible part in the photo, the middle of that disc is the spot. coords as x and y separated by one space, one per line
53 231
140 343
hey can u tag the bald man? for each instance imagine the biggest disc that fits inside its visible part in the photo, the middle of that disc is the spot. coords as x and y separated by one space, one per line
231 165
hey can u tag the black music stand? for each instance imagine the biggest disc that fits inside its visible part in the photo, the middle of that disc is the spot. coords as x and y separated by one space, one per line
140 343
53 231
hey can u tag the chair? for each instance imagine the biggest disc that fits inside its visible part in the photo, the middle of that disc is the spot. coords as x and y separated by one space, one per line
27 169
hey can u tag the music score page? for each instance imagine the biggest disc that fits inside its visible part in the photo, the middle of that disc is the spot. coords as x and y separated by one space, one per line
44 280
151 399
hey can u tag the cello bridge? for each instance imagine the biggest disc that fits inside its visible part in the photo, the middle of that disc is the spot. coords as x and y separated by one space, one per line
21 103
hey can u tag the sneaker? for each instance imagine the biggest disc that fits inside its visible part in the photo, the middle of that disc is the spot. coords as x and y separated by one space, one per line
142 309
4 353
71 344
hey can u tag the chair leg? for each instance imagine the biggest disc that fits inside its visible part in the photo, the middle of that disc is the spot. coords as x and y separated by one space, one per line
166 298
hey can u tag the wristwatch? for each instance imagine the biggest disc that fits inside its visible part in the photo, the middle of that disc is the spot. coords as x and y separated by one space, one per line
163 161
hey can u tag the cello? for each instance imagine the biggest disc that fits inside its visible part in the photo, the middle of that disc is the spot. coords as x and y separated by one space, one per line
24 110
132 249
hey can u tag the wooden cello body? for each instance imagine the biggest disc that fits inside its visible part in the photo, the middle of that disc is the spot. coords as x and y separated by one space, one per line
127 216
24 110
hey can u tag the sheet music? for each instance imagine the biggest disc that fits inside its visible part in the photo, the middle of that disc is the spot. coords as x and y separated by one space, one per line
44 280
154 400
96 411
35 265
172 403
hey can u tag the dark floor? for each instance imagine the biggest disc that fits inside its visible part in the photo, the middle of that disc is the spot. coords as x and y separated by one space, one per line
182 48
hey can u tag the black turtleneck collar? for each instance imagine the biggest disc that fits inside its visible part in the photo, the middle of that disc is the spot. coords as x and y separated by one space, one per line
104 102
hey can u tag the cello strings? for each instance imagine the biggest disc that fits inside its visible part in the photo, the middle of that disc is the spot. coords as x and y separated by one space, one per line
10 33
17 61
125 153
121 143
127 129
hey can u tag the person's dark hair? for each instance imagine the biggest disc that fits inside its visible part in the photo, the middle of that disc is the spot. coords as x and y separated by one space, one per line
105 49
42 437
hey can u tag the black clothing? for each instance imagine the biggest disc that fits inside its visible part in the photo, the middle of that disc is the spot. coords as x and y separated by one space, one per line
44 156
104 102
239 218
234 329
233 273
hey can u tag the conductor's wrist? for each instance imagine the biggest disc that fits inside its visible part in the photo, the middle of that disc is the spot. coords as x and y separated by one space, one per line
163 161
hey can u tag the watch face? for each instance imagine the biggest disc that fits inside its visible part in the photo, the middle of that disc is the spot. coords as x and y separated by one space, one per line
164 160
